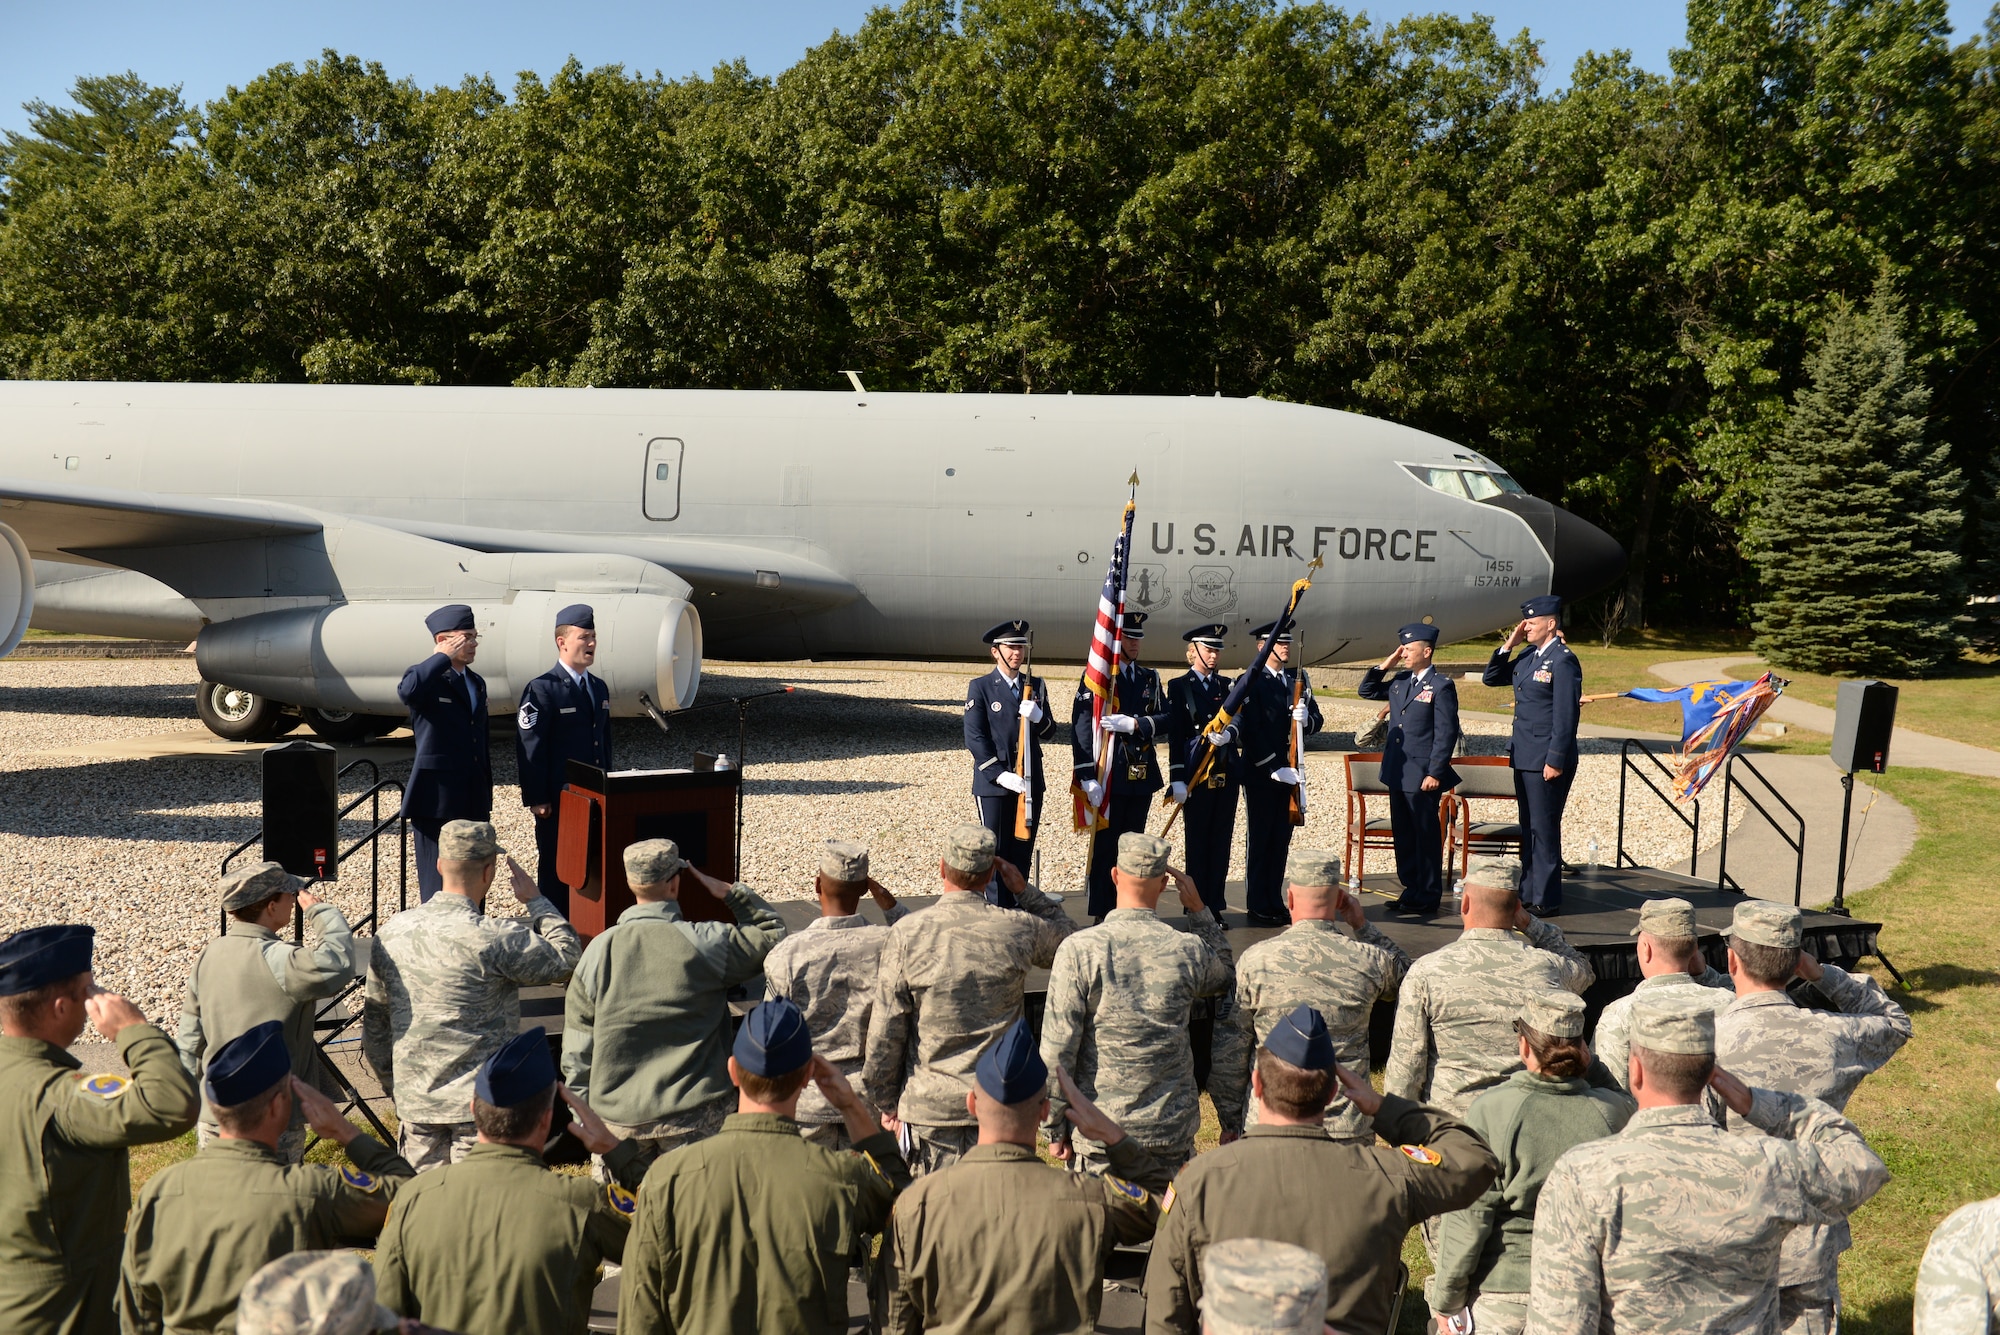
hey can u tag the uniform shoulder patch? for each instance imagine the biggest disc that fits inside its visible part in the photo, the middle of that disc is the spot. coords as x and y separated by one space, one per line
1422 1154
1167 1201
106 1085
1130 1190
359 1180
621 1200
528 716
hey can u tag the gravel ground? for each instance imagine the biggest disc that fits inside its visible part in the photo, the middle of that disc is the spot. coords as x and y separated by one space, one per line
871 753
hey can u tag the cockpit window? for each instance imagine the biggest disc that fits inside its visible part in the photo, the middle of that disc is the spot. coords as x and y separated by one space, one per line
1468 484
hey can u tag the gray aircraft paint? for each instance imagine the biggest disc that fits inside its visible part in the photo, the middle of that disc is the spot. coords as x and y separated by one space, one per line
824 525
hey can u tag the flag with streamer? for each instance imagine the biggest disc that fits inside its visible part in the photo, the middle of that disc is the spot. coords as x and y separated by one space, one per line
1100 670
1715 718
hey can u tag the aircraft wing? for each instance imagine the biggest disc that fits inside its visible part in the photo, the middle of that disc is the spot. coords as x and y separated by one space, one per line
94 524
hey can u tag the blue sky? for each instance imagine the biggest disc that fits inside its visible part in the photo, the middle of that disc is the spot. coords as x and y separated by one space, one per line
207 45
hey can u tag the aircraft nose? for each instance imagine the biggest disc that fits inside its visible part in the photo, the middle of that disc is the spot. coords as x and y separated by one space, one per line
1583 556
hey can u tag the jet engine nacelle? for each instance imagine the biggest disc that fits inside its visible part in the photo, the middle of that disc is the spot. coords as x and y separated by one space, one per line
17 589
350 656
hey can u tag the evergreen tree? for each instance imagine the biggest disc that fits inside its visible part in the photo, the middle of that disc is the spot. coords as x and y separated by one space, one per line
1856 539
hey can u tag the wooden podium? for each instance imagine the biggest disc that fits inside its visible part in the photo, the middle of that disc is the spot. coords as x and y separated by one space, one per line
602 814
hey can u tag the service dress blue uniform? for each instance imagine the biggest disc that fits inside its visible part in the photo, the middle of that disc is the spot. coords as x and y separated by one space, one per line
1548 696
1266 725
1132 769
452 776
562 718
1423 734
992 732
1209 814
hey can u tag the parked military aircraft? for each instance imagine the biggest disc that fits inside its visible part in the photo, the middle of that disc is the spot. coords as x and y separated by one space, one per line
298 534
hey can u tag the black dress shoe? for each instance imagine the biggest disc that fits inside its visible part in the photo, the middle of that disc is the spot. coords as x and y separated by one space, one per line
1412 910
1543 910
1259 920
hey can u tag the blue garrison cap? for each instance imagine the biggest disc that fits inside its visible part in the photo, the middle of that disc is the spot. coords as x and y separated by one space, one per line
1012 1069
1007 632
1301 1039
518 1072
581 615
452 616
1542 605
43 955
774 1040
1417 630
1265 629
247 1065
1214 636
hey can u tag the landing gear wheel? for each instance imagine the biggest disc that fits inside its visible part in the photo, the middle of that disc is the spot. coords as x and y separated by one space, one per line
237 715
344 728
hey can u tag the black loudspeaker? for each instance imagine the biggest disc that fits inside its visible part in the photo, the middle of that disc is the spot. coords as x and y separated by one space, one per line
1864 716
301 809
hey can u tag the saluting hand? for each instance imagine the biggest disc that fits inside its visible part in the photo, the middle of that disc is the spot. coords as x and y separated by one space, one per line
323 1115
1349 909
519 883
1084 1115
1358 1091
586 1125
1190 895
1735 1094
1010 876
110 1012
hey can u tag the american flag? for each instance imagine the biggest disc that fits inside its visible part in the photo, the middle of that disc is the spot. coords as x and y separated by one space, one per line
1101 669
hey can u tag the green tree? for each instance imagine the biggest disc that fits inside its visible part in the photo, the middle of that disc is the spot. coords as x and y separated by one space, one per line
1856 538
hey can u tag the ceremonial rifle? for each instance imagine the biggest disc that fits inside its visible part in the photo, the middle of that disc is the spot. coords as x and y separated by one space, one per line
1296 805
1203 757
1024 810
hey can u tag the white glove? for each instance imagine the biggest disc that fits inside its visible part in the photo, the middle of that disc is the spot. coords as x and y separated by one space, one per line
1093 791
1177 792
1031 710
1286 774
1012 782
1300 713
1119 723
1220 736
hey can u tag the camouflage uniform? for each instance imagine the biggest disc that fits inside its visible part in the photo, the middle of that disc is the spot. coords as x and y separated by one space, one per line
444 993
1119 999
951 982
1250 1286
1612 1043
1674 1223
248 976
1455 1018
1312 963
1958 1285
1767 1040
829 971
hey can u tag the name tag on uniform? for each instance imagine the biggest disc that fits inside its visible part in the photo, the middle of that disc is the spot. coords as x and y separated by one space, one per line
444 699
1544 675
567 709
1424 696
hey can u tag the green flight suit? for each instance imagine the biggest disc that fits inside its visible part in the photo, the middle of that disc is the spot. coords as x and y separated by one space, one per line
202 1228
752 1230
496 1242
66 1178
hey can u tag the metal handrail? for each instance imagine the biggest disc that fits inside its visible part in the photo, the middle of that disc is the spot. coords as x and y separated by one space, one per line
1625 765
1798 846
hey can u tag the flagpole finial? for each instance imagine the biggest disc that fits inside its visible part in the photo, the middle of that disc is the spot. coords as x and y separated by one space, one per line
1316 563
1134 479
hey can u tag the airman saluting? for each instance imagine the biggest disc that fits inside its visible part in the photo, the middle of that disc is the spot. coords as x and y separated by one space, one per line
1548 692
452 775
1416 761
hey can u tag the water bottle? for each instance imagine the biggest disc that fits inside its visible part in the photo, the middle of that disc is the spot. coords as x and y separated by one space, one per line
1591 860
722 761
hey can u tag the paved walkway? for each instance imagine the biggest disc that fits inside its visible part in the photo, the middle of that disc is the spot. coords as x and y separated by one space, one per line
1907 750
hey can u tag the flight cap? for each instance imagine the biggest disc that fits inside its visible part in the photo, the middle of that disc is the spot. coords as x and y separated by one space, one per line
1300 1038
468 841
1143 855
653 862
247 1065
841 860
1253 1286
450 617
1215 635
1542 605
1312 868
774 1040
255 884
1557 1013
1417 630
581 615
313 1293
1007 632
1672 1019
1266 628
38 956
969 848
519 1071
1669 919
1011 1069
1763 923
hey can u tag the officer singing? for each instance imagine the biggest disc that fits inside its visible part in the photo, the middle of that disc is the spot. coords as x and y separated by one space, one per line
1208 807
565 715
452 776
1416 761
1269 778
994 708
1548 692
1134 717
